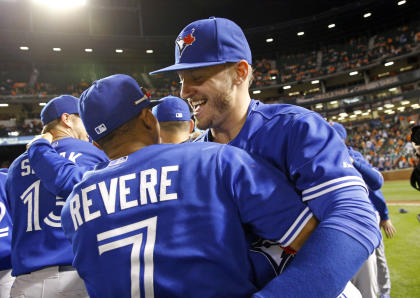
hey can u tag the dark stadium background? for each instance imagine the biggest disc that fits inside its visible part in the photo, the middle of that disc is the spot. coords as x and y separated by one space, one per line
309 70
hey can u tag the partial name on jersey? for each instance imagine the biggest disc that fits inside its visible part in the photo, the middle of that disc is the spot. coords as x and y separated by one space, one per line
81 209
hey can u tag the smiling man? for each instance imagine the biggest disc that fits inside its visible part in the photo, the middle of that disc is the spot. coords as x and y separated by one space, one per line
213 60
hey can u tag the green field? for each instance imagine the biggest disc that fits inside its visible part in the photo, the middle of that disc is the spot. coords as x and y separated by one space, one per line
403 251
400 191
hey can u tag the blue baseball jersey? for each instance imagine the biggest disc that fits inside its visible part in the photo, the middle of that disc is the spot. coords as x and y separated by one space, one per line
38 240
168 221
5 226
370 175
307 149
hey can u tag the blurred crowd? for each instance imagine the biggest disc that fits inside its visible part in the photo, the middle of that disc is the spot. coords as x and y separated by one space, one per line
385 143
355 53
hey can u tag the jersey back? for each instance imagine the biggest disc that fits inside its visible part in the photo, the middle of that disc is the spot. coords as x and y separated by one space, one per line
167 221
37 239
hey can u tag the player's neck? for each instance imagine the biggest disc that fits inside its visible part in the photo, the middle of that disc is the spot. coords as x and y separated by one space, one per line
232 125
123 149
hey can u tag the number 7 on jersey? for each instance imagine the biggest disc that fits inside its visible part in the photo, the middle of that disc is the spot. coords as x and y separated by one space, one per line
136 241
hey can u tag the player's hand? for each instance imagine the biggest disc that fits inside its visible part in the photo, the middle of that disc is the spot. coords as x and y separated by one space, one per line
47 136
388 228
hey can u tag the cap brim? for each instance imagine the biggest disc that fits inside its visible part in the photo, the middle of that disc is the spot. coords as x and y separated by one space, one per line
182 66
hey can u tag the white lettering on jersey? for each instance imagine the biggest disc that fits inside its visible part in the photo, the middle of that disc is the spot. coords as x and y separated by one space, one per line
347 165
75 211
148 181
72 156
26 168
148 187
124 191
87 202
109 197
165 182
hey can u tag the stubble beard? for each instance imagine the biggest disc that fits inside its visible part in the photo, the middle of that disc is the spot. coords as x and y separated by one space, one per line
220 106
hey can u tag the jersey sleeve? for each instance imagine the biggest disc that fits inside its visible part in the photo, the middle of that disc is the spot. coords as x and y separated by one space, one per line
266 200
317 159
371 176
58 174
378 200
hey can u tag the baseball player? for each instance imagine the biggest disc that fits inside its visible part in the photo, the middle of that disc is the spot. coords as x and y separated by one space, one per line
6 279
373 277
212 58
154 208
41 255
174 119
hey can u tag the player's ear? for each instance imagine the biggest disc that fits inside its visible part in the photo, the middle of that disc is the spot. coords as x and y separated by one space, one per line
65 119
241 71
191 125
149 120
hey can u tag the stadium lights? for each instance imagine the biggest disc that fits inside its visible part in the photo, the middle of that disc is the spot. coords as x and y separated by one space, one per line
4 104
57 49
353 116
294 93
273 77
330 26
412 122
61 4
405 102
353 73
389 63
315 82
334 117
13 133
357 112
392 89
119 51
287 87
401 109
380 108
401 2
365 114
149 51
343 115
42 104
268 40
366 15
318 106
24 48
256 92
88 50
334 102
300 33
388 105
415 106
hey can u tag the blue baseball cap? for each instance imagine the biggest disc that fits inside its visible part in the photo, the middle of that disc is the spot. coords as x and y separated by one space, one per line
339 129
172 108
209 42
58 106
110 102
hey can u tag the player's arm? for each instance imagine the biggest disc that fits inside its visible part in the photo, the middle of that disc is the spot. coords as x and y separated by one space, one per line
373 178
266 200
320 165
58 174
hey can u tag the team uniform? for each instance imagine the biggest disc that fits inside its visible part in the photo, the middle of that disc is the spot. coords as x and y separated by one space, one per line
168 220
373 277
41 255
303 146
6 280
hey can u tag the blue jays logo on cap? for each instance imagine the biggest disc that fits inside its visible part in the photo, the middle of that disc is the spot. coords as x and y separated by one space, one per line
184 40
